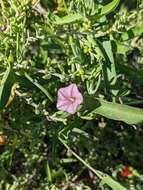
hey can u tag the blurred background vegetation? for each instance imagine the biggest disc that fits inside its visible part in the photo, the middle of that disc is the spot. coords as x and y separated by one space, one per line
45 56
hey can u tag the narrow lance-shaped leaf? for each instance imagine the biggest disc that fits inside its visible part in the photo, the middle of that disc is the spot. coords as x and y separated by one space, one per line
105 179
110 7
104 50
111 183
132 32
40 87
5 86
115 111
12 95
69 19
131 73
111 71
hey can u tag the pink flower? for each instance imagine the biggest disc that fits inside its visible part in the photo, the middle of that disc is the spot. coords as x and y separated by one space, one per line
69 98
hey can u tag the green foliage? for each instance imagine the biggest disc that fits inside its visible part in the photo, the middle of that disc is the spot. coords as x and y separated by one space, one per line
105 10
6 86
46 45
68 19
119 112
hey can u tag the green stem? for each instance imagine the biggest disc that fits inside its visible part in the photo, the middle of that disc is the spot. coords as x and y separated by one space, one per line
96 172
40 87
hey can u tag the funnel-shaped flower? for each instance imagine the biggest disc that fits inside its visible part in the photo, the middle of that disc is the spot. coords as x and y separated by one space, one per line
69 98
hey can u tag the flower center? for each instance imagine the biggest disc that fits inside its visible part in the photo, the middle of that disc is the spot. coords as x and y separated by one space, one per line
72 99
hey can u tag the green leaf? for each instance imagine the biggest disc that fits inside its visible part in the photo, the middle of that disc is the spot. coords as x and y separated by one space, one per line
108 66
111 71
118 47
111 183
132 32
48 172
69 19
59 116
115 111
105 179
110 7
40 87
76 49
5 86
2 35
135 75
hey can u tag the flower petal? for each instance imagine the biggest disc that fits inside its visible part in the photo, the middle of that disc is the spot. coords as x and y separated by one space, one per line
71 108
65 94
61 95
62 105
75 93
